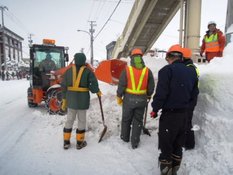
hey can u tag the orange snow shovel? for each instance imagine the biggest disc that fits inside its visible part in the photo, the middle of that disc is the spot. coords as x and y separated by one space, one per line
109 71
145 130
102 114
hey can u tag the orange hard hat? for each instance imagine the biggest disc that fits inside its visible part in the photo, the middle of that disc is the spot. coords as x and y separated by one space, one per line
175 48
136 51
187 53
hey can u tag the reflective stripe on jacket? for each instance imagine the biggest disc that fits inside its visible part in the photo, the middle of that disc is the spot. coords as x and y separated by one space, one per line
196 69
211 43
76 82
197 72
137 80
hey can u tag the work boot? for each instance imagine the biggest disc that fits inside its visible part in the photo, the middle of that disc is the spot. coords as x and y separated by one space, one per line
125 140
134 146
81 145
176 161
80 136
165 167
66 135
66 144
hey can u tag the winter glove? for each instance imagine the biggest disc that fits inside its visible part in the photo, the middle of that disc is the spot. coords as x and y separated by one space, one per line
99 93
119 101
64 104
153 114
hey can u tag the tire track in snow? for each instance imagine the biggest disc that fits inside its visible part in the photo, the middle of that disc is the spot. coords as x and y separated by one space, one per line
15 122
12 137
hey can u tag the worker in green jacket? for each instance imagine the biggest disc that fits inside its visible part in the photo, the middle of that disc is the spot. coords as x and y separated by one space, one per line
76 84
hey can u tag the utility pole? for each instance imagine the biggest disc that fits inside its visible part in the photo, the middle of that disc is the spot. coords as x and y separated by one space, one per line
91 30
82 50
90 33
30 41
2 8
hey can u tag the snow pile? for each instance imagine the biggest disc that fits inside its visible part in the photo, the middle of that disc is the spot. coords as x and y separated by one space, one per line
42 133
214 114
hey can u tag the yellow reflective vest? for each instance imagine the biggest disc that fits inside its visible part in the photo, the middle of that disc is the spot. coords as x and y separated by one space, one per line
211 43
137 80
76 81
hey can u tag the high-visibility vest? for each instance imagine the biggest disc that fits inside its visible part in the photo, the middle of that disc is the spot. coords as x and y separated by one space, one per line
197 71
211 43
76 82
137 80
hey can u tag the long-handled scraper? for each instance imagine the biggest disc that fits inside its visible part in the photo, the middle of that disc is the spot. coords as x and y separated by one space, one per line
145 130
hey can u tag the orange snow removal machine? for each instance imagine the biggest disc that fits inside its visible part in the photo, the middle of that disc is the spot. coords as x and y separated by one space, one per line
47 65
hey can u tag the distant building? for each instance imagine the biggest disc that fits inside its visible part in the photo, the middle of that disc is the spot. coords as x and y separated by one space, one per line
13 49
109 49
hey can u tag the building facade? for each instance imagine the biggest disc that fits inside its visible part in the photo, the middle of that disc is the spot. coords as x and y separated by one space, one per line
10 49
109 49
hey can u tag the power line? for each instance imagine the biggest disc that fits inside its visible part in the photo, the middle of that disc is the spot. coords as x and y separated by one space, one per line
99 9
17 21
119 22
91 11
108 19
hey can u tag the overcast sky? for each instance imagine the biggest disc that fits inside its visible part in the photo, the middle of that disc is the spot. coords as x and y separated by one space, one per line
59 20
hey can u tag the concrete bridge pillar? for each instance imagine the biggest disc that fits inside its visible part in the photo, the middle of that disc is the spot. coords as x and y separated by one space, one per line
192 25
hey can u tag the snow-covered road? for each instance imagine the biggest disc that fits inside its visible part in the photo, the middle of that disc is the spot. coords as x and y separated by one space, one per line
31 141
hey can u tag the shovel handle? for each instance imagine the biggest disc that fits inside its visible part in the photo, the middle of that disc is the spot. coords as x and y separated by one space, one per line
146 109
101 108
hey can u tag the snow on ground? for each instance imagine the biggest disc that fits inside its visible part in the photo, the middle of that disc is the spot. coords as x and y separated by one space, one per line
31 140
214 114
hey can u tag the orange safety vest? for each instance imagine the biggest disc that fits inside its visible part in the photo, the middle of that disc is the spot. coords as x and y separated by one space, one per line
137 80
211 43
76 82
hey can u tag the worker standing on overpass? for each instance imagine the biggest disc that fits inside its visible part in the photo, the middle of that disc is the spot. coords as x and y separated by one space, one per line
213 42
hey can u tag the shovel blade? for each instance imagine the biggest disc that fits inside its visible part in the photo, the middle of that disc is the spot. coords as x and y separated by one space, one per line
103 133
146 131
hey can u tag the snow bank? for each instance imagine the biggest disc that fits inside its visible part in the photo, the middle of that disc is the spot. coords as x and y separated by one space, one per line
214 114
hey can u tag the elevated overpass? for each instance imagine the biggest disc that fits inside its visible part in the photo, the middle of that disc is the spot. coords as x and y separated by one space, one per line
146 22
149 18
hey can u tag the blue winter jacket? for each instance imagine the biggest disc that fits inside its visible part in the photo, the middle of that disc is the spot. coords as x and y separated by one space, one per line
176 87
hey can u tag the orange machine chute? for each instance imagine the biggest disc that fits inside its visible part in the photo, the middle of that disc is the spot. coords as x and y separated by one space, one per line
109 71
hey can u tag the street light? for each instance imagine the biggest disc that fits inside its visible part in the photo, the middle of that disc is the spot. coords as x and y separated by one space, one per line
91 41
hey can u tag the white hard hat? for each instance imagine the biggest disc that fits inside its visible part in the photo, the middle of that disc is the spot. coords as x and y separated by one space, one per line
212 22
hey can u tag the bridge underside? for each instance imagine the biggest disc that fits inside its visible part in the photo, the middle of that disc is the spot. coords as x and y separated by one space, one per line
146 22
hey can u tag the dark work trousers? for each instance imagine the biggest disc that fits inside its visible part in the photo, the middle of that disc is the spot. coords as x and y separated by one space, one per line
172 127
132 113
189 140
